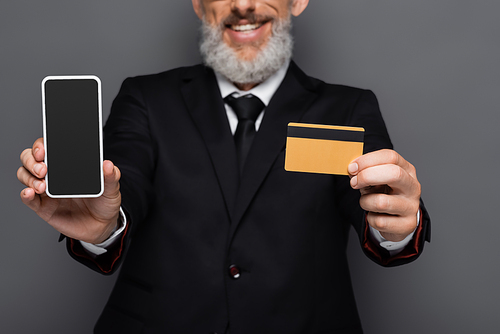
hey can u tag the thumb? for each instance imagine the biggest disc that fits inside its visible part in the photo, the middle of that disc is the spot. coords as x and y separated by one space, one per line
112 176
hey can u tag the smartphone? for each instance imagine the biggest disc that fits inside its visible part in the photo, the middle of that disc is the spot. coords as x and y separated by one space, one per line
72 135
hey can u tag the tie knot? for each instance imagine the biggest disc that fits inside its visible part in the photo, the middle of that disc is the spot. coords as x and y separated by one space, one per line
247 107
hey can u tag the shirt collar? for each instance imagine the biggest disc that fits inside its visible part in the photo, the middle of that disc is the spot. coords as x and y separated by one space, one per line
263 91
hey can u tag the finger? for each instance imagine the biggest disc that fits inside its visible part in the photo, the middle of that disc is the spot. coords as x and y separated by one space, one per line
394 225
30 198
112 176
392 175
389 204
29 180
39 150
35 167
381 157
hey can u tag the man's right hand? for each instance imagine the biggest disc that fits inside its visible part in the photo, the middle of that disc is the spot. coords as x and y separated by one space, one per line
87 219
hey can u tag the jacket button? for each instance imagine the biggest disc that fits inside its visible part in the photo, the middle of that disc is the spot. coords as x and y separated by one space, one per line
234 271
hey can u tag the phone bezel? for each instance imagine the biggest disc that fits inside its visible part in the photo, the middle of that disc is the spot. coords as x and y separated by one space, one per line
99 94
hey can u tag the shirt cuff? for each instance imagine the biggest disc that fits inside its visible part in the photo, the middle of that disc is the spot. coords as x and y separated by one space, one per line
394 247
99 249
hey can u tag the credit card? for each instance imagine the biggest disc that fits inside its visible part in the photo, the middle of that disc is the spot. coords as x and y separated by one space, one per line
325 149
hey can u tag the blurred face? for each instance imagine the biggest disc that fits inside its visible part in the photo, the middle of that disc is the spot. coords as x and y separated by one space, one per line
247 25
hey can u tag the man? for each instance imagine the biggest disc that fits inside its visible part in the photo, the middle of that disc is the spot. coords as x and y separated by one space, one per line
216 240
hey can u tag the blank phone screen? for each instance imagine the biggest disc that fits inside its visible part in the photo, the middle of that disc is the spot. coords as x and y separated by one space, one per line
73 137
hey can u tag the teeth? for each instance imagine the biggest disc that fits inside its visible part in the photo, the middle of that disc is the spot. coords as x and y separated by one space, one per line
246 27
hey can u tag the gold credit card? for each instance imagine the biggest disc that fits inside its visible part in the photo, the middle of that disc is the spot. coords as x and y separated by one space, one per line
326 149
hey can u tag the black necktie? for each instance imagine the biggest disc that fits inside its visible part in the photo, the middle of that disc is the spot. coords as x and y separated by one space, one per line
247 108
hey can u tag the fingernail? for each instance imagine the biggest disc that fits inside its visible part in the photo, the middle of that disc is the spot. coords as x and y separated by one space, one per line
352 168
354 181
37 184
36 150
25 192
37 168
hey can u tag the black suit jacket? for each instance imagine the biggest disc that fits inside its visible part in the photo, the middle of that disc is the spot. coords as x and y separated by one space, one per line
190 218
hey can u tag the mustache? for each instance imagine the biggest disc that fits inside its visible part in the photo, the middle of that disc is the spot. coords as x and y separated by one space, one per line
252 18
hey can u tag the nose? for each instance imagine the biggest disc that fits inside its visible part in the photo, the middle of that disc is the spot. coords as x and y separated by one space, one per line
242 7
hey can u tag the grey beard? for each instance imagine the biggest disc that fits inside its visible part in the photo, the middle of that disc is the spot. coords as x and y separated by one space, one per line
224 60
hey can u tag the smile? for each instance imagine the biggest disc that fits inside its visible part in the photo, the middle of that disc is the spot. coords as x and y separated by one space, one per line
246 27
246 32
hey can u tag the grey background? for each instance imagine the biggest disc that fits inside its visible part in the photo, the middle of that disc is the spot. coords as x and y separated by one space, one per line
432 64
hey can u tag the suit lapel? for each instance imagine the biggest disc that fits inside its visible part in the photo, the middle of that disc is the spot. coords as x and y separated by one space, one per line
290 102
203 100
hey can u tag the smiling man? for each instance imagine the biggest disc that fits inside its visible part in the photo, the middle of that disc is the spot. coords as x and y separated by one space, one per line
213 235
244 44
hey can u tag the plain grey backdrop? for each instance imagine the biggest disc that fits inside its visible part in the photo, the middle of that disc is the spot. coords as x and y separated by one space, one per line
434 67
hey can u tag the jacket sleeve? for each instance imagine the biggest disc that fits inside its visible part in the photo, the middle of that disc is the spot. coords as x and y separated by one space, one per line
128 144
366 113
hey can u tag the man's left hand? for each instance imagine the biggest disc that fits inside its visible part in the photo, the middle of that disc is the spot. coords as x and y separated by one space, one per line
390 192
